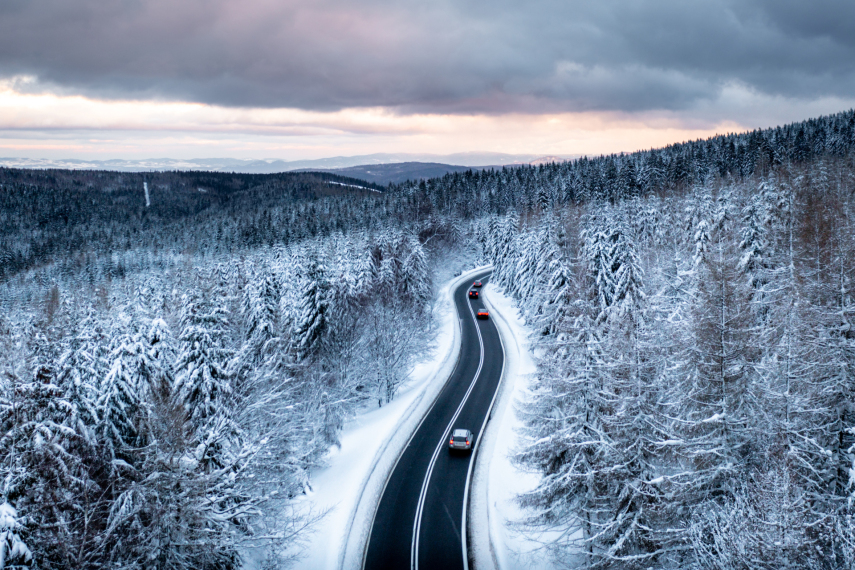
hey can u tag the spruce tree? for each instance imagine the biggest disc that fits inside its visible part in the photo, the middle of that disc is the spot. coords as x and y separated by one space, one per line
202 382
312 317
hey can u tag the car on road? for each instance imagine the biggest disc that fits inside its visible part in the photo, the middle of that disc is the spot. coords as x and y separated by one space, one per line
461 440
473 294
482 314
476 284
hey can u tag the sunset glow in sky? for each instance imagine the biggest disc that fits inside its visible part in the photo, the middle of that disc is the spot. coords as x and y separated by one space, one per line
300 79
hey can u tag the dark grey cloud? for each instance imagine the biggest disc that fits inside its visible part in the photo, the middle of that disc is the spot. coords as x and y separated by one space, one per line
440 56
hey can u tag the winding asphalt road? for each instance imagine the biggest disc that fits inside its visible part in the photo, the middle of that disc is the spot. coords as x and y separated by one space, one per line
421 519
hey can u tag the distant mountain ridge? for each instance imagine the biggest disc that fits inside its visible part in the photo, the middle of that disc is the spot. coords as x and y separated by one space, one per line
398 172
376 168
269 166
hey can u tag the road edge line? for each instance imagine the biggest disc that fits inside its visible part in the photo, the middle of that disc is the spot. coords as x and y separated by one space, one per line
482 471
463 526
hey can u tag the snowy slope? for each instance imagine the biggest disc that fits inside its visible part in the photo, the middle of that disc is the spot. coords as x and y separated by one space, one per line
349 488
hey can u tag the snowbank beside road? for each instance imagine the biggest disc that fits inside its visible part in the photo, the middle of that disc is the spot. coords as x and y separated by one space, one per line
349 488
496 481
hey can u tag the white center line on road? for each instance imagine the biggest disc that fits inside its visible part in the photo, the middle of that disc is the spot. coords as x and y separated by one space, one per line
417 523
414 560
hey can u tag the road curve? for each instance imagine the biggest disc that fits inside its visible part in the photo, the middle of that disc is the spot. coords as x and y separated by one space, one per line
420 520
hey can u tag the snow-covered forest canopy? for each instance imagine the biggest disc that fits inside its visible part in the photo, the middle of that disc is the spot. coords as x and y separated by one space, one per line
695 400
169 378
169 374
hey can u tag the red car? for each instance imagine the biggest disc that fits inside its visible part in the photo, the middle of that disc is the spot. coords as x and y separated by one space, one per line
482 314
473 294
476 284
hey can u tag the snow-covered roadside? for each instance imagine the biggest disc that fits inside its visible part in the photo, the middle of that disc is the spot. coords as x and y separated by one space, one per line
496 481
349 488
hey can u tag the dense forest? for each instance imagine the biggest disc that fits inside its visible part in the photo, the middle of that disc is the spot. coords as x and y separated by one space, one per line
695 400
170 375
179 350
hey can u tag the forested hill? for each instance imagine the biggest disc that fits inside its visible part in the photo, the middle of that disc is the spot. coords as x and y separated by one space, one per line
616 177
171 374
51 215
400 171
694 403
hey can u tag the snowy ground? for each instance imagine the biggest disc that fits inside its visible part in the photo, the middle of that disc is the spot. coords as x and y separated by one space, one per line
496 481
349 488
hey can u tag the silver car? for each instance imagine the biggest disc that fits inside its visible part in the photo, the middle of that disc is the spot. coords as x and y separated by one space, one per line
461 440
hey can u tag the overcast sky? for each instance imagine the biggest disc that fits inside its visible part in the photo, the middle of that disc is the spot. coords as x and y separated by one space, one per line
305 79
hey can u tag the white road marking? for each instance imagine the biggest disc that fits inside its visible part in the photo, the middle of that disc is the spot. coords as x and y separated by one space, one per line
414 549
395 465
475 449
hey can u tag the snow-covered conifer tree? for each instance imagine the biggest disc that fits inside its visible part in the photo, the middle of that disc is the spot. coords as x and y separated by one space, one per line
415 275
119 396
14 553
79 373
260 308
754 244
312 317
627 287
44 475
571 447
202 382
365 272
598 249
